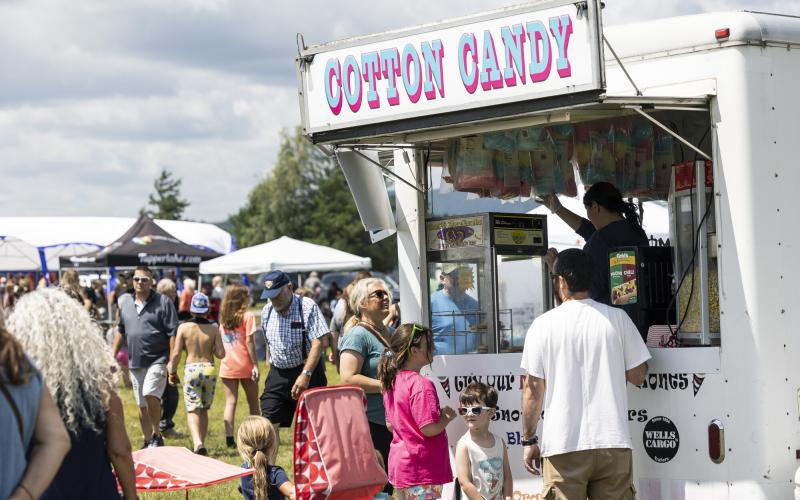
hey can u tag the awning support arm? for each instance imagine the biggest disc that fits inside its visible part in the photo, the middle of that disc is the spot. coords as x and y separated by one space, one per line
638 92
668 130
387 172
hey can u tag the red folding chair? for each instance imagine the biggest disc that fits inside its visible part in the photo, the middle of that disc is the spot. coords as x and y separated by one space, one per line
334 457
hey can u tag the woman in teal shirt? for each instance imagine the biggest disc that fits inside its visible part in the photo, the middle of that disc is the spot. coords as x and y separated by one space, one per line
360 349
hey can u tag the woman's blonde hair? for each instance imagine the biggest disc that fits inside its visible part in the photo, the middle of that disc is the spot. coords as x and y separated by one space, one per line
234 305
166 286
70 351
257 442
71 285
360 293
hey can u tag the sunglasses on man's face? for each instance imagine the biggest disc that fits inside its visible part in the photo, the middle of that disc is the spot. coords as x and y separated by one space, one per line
468 411
381 294
141 279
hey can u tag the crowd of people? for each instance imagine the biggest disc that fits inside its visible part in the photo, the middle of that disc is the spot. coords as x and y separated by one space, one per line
64 417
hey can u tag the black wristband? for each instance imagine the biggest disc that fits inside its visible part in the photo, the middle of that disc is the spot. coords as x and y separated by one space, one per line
530 442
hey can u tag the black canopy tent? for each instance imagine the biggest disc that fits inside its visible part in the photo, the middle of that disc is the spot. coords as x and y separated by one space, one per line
144 244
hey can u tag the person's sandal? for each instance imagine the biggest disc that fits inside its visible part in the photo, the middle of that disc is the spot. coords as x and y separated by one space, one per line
202 451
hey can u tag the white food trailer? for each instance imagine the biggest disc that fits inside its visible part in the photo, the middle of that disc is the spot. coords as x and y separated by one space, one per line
472 117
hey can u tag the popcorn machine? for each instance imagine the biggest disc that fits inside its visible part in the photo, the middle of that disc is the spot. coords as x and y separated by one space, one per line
693 235
487 280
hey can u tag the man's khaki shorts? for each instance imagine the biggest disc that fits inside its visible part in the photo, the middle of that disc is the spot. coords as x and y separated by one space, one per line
601 474
150 381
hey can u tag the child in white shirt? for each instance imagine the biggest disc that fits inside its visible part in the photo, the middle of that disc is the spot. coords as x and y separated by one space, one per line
481 456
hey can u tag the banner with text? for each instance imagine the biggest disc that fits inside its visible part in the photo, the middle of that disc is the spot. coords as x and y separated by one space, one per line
494 59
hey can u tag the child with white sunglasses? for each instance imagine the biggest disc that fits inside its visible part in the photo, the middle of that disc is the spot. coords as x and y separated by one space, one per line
481 456
419 463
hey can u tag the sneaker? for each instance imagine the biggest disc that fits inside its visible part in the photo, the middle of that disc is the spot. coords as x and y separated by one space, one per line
146 444
156 441
202 451
230 442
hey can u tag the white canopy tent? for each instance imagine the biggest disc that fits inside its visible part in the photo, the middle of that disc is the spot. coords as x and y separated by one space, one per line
36 243
560 236
288 255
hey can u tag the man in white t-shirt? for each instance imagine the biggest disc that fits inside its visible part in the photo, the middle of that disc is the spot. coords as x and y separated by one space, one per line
577 359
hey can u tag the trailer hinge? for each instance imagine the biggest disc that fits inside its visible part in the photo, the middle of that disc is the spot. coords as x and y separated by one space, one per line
583 8
301 47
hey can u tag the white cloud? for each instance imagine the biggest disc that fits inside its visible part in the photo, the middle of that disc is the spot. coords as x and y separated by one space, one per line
97 96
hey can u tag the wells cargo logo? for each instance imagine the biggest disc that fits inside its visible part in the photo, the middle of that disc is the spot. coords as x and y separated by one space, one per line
661 439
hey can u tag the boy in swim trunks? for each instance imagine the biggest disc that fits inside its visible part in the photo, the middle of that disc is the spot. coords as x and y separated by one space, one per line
201 340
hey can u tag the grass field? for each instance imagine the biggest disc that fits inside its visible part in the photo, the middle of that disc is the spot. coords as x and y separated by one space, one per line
215 442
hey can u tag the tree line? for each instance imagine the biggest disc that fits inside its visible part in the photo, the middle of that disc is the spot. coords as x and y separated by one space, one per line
304 196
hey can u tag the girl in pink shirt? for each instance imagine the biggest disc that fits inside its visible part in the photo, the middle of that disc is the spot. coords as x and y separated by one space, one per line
240 365
419 461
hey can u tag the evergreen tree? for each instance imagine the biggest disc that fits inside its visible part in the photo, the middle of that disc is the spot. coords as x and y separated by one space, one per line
166 201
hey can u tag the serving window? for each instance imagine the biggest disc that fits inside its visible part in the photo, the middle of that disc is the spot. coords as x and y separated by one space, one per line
506 170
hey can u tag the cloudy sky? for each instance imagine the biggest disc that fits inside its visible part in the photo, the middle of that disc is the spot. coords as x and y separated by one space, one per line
97 96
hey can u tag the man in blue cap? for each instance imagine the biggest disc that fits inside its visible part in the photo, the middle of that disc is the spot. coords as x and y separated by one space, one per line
294 329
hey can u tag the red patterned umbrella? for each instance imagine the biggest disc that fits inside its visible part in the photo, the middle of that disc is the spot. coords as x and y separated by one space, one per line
171 468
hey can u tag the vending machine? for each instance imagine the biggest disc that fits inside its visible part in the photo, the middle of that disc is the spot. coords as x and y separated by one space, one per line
487 280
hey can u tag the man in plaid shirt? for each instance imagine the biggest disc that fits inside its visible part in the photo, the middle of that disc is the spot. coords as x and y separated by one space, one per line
294 329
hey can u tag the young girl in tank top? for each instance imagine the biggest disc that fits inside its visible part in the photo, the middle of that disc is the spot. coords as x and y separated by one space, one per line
419 461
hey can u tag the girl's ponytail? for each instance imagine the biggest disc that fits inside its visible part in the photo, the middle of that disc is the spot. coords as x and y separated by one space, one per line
260 478
628 210
257 442
387 369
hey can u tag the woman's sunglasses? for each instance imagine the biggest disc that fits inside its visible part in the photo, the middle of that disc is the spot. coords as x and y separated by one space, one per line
468 411
381 294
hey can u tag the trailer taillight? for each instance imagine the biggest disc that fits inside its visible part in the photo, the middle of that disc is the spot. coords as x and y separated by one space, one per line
722 34
716 441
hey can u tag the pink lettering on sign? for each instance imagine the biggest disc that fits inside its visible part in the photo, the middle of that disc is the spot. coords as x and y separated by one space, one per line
352 83
490 73
561 28
514 42
390 67
333 85
370 63
432 54
468 62
529 50
412 73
